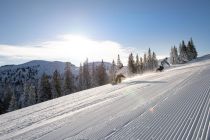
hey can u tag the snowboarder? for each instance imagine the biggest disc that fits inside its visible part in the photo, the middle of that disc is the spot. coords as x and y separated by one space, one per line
164 61
161 67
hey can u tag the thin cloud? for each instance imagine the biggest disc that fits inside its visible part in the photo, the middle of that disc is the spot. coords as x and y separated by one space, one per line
73 48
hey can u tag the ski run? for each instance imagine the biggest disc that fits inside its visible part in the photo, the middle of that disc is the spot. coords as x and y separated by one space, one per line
173 104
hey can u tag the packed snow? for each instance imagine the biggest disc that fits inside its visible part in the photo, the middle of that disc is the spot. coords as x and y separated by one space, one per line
174 104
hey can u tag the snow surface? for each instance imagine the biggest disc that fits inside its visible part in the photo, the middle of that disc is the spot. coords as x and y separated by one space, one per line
174 104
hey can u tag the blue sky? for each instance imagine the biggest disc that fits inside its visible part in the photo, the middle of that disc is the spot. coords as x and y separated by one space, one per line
128 24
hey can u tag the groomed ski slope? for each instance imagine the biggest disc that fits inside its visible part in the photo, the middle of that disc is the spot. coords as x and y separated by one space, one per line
174 104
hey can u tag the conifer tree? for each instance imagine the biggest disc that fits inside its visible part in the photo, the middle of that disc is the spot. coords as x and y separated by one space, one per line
32 95
141 65
80 77
174 55
195 53
113 71
7 97
119 63
137 64
13 105
192 53
154 61
131 64
145 62
25 96
183 56
1 107
56 81
45 92
149 60
93 76
101 74
86 75
68 80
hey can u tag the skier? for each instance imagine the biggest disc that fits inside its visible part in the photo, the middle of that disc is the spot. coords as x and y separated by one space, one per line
161 67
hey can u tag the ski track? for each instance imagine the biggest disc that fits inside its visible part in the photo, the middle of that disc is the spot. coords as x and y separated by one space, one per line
174 104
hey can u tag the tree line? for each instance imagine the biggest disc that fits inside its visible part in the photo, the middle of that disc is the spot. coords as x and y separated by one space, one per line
137 65
186 53
50 87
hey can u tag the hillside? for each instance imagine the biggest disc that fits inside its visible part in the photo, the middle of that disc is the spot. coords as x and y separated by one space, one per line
173 104
19 80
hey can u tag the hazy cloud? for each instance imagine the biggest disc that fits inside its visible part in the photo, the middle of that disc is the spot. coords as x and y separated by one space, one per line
68 47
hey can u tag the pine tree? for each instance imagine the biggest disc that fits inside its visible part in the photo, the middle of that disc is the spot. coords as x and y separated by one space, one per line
113 71
45 92
137 64
13 105
101 74
131 64
68 80
25 96
183 56
86 75
174 55
28 96
195 53
1 107
32 95
145 62
56 81
119 63
7 97
154 61
192 52
149 60
93 76
81 77
141 65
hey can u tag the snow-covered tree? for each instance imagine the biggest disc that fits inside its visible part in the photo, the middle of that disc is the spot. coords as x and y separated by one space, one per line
1 107
191 50
154 61
13 105
81 85
149 60
141 65
101 74
45 92
113 71
145 62
131 64
119 63
68 80
56 82
25 96
29 95
86 75
93 76
137 65
32 95
7 97
174 55
183 56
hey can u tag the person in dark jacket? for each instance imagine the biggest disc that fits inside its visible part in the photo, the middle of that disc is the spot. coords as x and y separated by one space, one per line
165 61
161 67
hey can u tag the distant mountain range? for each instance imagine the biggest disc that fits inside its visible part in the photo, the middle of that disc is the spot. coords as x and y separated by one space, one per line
48 67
